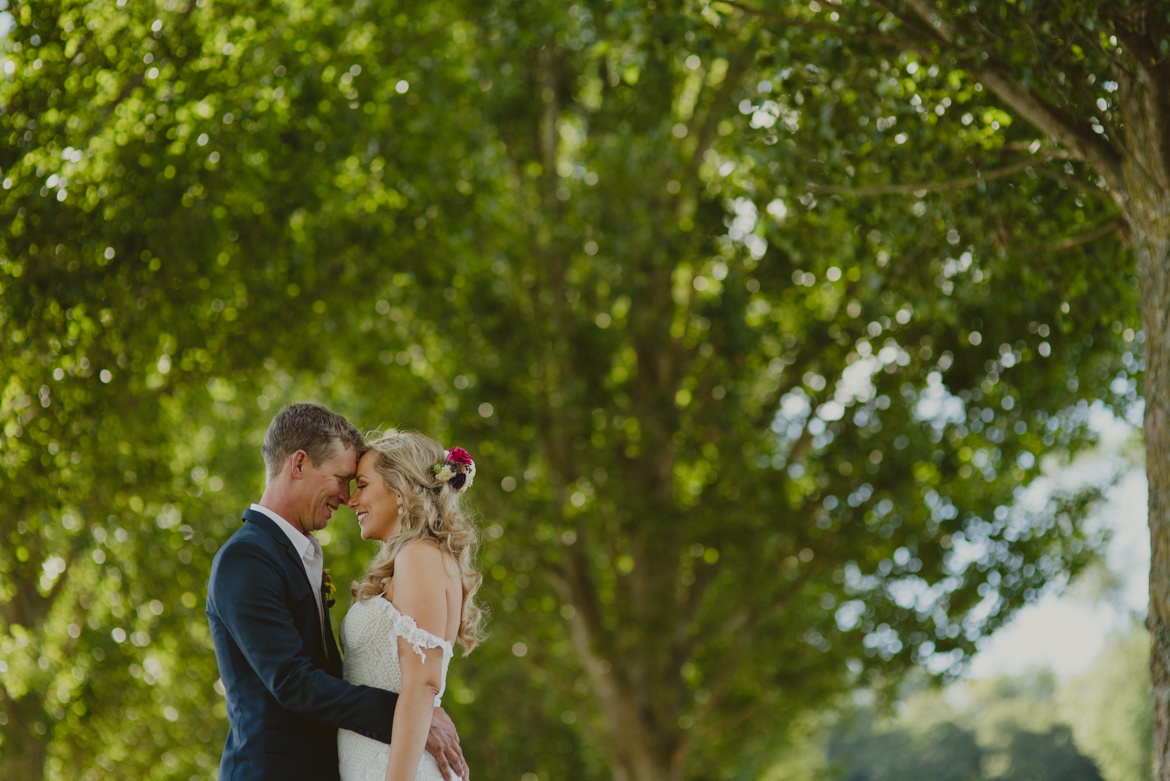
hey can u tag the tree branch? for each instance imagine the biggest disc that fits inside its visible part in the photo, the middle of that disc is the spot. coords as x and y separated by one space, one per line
1083 143
708 127
58 587
1027 146
1089 188
1092 39
686 633
1112 226
1137 44
744 624
926 31
953 184
576 587
609 674
837 29
1105 157
930 14
558 681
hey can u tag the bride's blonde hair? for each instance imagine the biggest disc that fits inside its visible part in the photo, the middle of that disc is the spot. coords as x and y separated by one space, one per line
431 510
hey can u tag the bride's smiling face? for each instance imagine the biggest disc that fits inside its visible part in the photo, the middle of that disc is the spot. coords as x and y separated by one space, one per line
375 504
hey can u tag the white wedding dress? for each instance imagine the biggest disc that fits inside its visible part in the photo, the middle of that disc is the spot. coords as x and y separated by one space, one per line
369 640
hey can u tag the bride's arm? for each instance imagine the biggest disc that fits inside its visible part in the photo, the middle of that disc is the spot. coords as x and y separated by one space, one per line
420 591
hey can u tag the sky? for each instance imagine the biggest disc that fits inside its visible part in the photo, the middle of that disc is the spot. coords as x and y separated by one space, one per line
1068 627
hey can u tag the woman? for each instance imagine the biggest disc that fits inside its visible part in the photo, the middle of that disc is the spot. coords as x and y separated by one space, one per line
415 600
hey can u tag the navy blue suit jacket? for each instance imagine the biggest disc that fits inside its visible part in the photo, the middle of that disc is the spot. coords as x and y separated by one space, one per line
285 696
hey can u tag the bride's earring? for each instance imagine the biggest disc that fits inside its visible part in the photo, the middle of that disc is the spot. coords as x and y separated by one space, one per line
401 510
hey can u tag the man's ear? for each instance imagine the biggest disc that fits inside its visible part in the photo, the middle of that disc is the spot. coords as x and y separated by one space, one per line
297 464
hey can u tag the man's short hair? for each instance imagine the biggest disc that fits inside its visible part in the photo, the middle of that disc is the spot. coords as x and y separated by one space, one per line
308 427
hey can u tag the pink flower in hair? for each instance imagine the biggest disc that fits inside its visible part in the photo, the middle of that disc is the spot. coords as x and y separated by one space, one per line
458 455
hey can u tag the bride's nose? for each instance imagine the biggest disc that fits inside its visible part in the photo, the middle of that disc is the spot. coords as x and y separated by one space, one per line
351 502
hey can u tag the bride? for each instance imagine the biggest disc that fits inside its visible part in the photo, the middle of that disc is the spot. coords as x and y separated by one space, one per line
415 600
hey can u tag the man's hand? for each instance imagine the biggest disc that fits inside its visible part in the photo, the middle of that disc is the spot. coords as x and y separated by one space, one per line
443 745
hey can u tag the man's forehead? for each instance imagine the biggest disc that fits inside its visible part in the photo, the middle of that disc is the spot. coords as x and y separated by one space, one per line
345 456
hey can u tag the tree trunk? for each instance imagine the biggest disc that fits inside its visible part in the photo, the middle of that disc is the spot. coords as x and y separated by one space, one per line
1146 201
629 737
24 753
28 726
1151 242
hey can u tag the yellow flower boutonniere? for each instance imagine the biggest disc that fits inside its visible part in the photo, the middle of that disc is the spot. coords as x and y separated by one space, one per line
328 589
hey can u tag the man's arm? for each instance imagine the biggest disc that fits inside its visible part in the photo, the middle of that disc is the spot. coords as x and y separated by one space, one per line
247 593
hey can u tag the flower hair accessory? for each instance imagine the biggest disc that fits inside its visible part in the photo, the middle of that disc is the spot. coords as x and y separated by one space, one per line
457 470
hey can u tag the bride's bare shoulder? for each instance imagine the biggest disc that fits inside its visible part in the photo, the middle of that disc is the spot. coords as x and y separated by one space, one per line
420 552
424 562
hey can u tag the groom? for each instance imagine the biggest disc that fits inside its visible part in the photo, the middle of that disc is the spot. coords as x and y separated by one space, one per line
273 639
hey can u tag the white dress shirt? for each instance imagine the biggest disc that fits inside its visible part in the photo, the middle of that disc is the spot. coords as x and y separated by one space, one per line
312 557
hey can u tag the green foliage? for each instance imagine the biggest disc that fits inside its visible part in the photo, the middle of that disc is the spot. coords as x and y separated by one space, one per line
1007 731
945 752
1097 724
1110 709
741 449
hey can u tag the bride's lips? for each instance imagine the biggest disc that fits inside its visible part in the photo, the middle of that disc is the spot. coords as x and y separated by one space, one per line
362 516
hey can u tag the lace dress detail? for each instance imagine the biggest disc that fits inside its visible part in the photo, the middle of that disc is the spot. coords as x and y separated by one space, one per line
369 639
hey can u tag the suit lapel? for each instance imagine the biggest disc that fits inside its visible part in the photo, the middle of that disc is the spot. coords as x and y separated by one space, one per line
274 531
331 645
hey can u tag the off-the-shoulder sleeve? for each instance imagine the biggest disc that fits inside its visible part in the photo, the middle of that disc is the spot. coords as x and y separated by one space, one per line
419 638
405 627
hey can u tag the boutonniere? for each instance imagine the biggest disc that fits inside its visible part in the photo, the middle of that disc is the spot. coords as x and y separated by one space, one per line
328 589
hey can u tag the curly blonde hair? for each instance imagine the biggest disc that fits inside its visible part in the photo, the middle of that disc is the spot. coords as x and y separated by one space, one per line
430 512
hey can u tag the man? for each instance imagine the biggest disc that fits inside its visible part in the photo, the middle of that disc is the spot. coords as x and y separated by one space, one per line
280 666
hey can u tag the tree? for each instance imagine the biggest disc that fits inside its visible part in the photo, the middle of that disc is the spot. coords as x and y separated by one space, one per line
728 521
1110 709
1089 78
137 319
1009 729
733 464
945 752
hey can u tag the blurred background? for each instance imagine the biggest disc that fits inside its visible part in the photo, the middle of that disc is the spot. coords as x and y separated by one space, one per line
805 450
